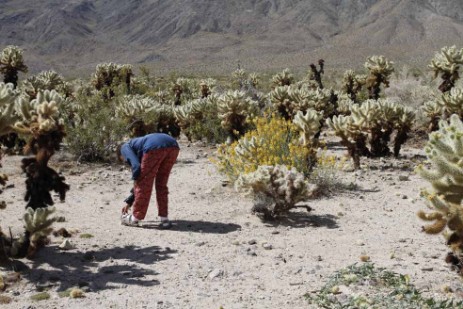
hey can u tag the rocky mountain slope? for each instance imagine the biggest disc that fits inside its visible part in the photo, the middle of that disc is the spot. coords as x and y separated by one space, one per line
208 35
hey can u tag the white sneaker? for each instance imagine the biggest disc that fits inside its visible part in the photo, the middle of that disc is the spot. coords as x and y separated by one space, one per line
129 220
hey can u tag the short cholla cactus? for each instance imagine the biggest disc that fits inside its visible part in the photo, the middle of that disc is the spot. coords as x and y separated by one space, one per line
352 84
276 189
38 227
380 69
445 153
234 107
110 75
284 78
12 62
184 89
433 112
452 102
206 87
239 78
447 64
309 125
137 112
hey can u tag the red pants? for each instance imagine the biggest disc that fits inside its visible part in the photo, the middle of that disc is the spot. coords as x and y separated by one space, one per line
155 165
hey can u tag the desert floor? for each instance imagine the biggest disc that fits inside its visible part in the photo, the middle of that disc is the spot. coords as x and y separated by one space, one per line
218 254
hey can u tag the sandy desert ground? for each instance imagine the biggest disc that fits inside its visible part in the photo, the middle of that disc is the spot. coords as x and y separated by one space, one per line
218 254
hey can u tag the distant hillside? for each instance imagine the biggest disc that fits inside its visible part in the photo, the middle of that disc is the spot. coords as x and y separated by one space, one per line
213 36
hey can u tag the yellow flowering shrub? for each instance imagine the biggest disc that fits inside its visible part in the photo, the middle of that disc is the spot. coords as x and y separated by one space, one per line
274 141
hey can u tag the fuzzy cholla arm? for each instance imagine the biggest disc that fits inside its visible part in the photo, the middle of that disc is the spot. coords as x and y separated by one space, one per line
447 63
445 152
276 189
8 117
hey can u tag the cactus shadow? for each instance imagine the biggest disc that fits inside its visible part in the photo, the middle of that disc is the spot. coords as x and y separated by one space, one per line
206 227
108 268
304 220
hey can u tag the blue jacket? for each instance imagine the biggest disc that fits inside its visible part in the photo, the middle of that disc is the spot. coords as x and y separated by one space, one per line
133 150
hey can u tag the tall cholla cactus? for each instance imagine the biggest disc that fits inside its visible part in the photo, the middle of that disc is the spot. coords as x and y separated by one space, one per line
234 107
12 62
309 125
276 189
317 73
41 121
352 84
447 64
284 78
445 152
380 69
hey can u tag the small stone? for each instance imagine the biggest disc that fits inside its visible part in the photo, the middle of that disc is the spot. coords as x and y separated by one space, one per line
360 243
200 244
364 258
404 197
319 258
403 178
215 273
252 242
61 219
236 242
427 269
275 232
66 245
267 246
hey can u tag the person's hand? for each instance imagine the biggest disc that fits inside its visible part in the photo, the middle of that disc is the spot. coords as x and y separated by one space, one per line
125 209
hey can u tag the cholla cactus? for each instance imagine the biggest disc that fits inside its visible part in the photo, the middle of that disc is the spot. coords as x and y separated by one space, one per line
239 78
444 151
452 102
38 228
12 62
207 86
447 64
233 109
137 111
352 84
276 189
110 75
7 108
344 105
380 69
284 78
317 74
282 101
254 80
309 125
434 112
183 88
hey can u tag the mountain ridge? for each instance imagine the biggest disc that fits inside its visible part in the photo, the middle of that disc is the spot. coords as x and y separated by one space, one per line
195 34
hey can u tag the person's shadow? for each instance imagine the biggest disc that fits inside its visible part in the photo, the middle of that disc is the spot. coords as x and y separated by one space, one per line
196 226
100 269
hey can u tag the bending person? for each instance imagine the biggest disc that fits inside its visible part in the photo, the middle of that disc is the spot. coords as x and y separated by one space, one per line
151 157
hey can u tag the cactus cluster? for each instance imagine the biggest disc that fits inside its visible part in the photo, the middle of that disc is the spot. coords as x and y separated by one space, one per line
46 80
379 72
444 151
276 189
288 100
12 62
447 64
373 122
